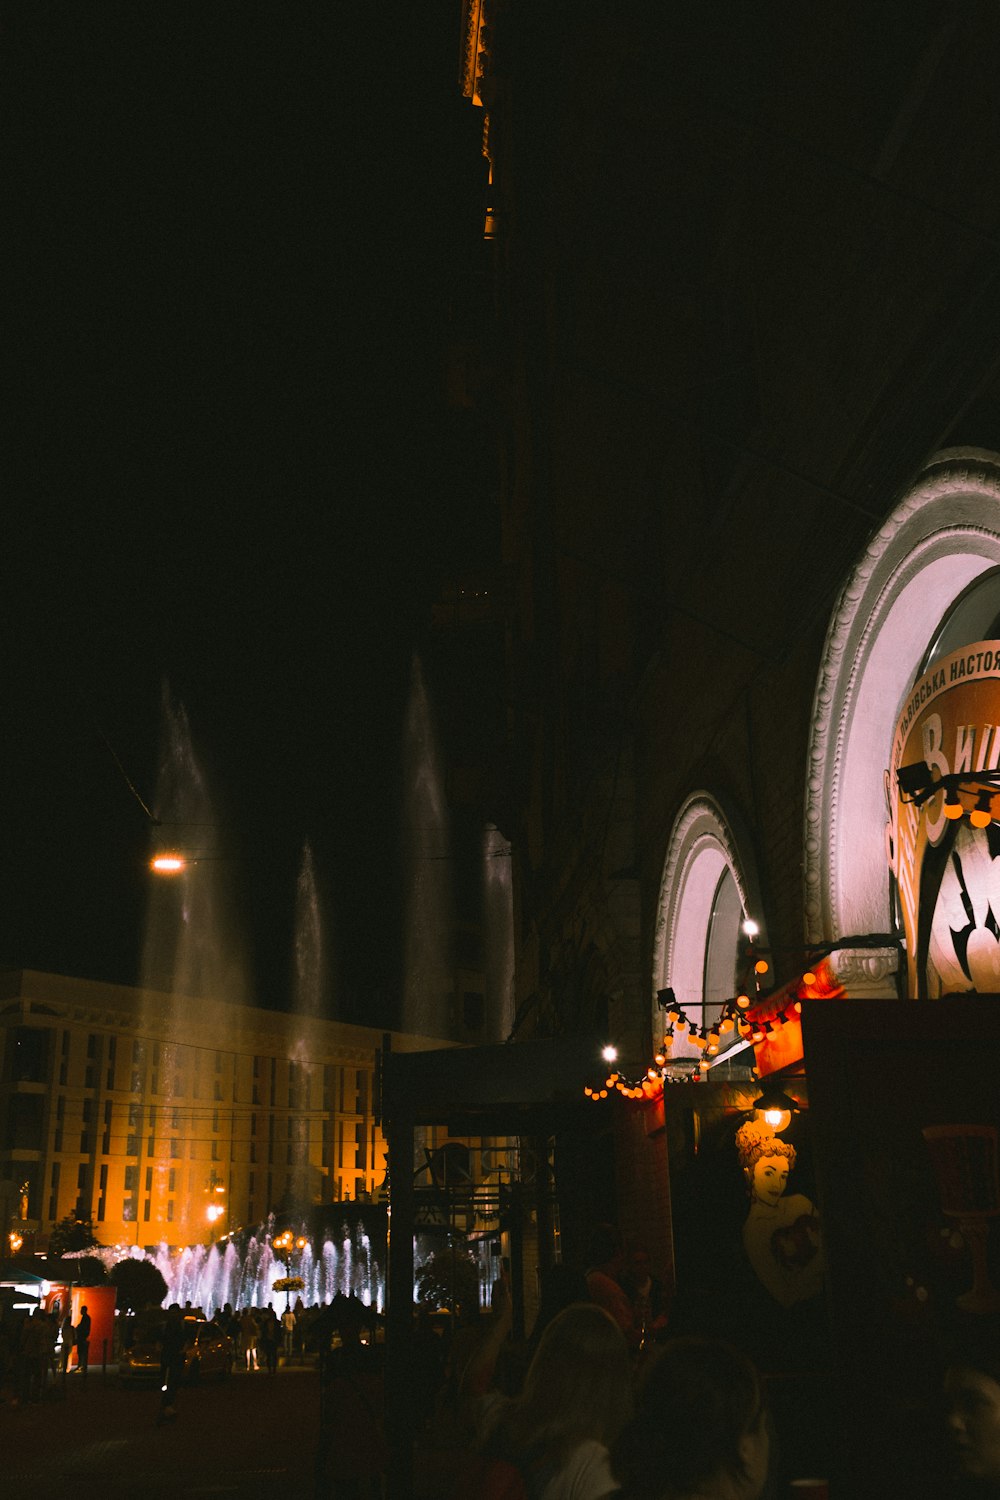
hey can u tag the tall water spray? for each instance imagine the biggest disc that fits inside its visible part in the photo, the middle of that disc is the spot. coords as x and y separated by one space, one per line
191 954
190 945
310 1003
498 934
428 916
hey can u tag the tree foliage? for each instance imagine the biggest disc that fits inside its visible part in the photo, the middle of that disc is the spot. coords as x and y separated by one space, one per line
71 1234
450 1278
139 1284
90 1271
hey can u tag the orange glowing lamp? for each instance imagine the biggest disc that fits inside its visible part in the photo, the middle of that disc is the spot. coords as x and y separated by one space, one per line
775 1108
953 807
168 864
981 815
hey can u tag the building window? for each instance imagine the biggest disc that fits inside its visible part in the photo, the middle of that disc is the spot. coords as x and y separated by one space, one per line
145 1211
943 887
172 1180
29 1055
131 1179
54 1197
705 895
170 1210
942 537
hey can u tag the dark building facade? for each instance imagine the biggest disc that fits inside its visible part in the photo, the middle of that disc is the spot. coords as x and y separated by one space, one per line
742 373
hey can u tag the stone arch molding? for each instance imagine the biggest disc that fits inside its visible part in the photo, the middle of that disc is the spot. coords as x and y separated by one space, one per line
942 536
703 841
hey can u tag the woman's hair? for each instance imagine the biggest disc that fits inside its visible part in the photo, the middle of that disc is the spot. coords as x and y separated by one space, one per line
975 1346
560 1285
754 1142
698 1400
578 1386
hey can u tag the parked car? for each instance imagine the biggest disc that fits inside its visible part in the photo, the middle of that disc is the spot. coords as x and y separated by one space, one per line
207 1351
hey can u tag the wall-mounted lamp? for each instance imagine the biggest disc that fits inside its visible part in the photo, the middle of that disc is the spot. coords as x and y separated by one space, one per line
775 1108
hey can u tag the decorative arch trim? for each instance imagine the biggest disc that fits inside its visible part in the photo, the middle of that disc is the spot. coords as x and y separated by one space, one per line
942 535
700 827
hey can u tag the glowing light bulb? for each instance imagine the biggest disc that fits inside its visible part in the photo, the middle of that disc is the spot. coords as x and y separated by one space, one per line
750 927
952 804
761 966
743 1001
610 1054
167 864
981 815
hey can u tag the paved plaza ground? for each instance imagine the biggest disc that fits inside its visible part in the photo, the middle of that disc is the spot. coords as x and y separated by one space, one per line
249 1435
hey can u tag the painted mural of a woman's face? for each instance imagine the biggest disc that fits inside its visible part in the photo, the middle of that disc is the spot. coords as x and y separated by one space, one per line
769 1180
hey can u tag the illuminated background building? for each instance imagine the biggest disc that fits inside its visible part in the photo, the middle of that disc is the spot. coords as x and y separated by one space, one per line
108 1116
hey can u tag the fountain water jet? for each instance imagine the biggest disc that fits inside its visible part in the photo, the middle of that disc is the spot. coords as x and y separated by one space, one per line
242 1275
429 906
190 955
498 934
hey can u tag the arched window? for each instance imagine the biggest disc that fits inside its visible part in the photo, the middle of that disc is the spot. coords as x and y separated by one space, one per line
705 896
925 584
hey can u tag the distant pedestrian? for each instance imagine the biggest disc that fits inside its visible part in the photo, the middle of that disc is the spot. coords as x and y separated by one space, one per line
37 1347
82 1339
249 1334
172 1342
68 1338
270 1332
288 1331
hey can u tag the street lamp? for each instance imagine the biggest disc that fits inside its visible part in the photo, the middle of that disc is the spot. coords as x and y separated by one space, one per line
216 1204
289 1248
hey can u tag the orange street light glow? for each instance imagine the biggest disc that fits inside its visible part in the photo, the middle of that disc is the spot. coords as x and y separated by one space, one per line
167 864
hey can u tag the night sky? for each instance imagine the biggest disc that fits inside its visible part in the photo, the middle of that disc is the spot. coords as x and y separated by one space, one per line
236 233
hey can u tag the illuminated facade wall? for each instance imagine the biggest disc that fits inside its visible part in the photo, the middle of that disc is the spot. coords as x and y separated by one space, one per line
103 1107
750 448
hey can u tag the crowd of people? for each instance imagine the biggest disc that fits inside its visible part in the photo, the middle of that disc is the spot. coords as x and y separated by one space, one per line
603 1398
36 1348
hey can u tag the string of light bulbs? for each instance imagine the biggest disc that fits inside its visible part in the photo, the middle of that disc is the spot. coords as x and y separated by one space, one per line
734 1017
